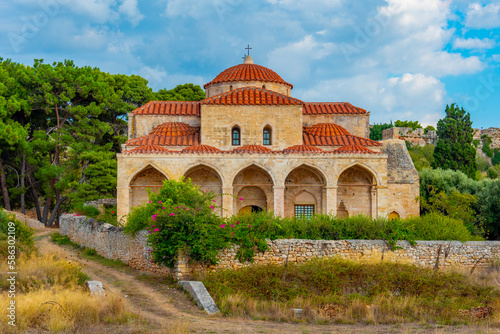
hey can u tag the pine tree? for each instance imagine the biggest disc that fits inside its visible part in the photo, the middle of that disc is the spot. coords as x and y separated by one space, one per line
454 148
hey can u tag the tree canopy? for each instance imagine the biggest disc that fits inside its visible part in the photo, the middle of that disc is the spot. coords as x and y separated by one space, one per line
454 148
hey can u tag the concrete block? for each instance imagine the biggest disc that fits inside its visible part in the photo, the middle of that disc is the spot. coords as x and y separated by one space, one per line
201 296
95 288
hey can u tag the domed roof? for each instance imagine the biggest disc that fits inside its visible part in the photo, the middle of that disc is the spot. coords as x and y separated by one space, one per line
145 149
201 149
326 130
173 129
303 149
354 149
252 149
248 71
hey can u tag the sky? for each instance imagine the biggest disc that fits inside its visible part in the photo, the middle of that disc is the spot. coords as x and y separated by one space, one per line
398 59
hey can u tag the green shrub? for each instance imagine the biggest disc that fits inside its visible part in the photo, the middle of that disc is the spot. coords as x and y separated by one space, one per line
492 173
87 210
23 234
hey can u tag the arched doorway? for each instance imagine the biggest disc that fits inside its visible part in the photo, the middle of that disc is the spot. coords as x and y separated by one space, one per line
249 209
207 179
148 178
354 192
303 191
393 215
253 186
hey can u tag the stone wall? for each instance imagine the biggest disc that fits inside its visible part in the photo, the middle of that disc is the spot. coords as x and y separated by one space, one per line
415 137
33 223
112 243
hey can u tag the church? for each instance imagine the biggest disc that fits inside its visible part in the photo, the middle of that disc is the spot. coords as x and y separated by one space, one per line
251 139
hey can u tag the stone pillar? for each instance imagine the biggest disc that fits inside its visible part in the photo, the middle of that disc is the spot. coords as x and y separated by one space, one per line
227 201
123 204
331 200
279 200
374 204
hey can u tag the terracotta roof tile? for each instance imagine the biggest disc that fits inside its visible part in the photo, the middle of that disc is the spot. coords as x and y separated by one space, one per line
252 149
201 149
247 72
174 108
328 108
146 149
169 134
251 96
354 149
326 130
303 149
340 140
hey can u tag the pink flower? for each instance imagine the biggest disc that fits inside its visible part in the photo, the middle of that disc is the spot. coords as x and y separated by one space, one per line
233 226
159 202
112 212
223 225
212 207
163 207
237 223
241 198
157 230
249 225
150 232
172 214
232 233
214 200
153 226
149 202
147 228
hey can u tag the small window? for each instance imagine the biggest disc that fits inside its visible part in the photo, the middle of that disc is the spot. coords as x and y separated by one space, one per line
263 86
304 211
267 136
231 87
236 135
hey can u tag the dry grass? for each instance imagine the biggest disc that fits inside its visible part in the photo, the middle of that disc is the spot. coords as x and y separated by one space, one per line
61 310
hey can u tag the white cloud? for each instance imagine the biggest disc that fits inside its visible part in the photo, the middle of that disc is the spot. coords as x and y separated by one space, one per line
496 58
294 58
408 97
158 78
131 11
483 17
473 43
99 10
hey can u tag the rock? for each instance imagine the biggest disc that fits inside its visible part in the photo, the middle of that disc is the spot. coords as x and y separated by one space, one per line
200 295
95 288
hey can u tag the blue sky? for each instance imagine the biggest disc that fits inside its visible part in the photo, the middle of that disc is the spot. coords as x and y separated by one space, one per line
399 59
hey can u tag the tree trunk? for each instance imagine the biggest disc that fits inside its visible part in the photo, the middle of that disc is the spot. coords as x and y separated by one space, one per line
46 211
54 211
5 190
23 177
34 195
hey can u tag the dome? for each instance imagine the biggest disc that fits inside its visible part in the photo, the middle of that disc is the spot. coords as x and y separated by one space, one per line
326 130
248 71
173 129
354 149
303 149
198 148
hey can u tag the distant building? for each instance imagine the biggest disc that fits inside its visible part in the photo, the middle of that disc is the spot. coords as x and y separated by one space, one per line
250 138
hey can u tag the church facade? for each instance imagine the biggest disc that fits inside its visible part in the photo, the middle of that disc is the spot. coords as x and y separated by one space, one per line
250 138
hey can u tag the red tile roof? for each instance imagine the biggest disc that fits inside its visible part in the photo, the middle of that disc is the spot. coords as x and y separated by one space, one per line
354 149
326 130
341 140
248 72
251 96
201 149
146 149
322 108
303 149
169 134
174 108
252 149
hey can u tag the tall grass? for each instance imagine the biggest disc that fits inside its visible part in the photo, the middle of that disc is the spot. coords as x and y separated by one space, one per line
372 293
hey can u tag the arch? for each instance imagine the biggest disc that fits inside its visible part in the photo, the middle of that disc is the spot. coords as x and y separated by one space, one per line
394 215
207 165
236 136
267 135
231 87
146 165
342 211
257 165
354 190
253 185
362 166
207 179
148 178
303 183
263 86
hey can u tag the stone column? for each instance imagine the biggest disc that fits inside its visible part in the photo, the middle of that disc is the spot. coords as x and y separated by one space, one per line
227 201
374 205
279 200
123 200
331 199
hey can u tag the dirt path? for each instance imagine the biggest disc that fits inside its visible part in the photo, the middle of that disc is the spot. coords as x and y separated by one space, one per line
165 308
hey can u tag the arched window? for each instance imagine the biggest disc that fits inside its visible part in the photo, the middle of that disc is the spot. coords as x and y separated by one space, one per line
236 136
263 86
231 87
267 136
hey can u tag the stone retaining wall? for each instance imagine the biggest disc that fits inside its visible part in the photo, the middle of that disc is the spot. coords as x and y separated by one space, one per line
112 243
33 223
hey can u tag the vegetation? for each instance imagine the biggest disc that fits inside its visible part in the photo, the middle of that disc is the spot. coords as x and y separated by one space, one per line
454 148
422 156
348 292
408 124
377 129
23 234
61 127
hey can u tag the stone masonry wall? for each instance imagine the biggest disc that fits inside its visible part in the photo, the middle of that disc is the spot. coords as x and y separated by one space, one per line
112 243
